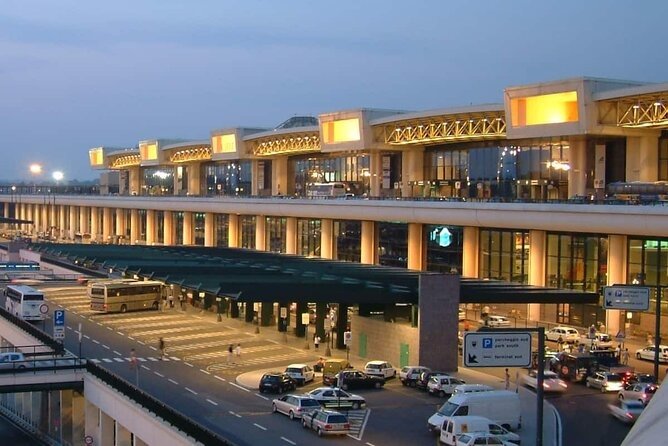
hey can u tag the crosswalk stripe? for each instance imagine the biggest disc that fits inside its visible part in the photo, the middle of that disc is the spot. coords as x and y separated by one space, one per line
219 353
95 361
221 343
289 357
119 359
107 360
151 358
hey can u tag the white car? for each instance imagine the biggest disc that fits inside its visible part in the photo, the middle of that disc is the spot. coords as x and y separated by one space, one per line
497 321
480 438
641 392
626 411
380 368
294 406
411 373
443 385
333 397
647 353
462 314
605 382
551 381
12 360
301 373
568 335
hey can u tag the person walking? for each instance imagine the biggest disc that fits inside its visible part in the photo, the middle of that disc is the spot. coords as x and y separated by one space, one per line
161 346
237 350
560 343
133 359
316 341
507 380
625 357
230 350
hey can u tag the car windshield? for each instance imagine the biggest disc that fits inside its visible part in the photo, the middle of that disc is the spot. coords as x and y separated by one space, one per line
270 378
310 403
373 366
614 378
337 419
447 409
292 370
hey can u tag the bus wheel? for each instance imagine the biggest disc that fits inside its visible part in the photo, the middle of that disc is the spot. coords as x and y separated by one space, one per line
124 308
154 306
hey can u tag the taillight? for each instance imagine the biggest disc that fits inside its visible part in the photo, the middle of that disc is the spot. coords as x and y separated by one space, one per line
328 427
346 426
629 416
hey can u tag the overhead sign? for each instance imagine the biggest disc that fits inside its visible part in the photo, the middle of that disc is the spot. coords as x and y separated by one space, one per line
497 349
634 298
59 324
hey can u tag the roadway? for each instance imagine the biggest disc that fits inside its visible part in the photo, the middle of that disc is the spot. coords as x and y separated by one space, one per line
196 379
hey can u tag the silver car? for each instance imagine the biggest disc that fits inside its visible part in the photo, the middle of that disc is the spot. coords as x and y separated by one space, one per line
642 392
606 382
294 406
326 422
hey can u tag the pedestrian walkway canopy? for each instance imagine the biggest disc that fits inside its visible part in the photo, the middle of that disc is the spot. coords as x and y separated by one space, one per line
256 276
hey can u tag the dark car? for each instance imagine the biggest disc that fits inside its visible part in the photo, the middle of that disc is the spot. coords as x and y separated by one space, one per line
354 379
423 380
277 382
642 378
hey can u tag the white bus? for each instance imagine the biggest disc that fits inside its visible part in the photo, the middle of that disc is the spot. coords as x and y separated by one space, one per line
24 302
123 295
335 189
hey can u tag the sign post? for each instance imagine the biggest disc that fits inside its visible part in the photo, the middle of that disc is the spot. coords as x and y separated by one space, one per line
59 324
306 319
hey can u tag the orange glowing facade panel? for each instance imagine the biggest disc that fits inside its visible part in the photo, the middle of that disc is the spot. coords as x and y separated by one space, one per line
224 143
343 130
553 108
148 151
96 156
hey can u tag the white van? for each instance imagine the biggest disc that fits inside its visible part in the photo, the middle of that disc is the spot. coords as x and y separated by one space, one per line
453 427
500 406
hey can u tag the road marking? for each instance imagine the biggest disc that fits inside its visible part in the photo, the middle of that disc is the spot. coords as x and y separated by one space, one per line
86 336
173 358
235 414
287 440
96 341
69 328
142 359
172 381
107 360
151 358
370 444
159 374
119 359
144 367
191 391
98 323
142 343
106 346
239 387
110 329
260 426
153 348
118 353
212 402
131 338
262 396
189 364
204 371
218 377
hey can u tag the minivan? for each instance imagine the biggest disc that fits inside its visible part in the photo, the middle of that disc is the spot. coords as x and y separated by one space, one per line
500 406
453 427
331 368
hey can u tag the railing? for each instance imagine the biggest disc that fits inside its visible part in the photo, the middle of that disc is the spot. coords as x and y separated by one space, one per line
160 409
33 331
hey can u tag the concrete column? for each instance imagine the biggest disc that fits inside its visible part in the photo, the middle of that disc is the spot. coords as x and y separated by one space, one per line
33 214
92 421
439 304
577 175
538 243
615 319
134 180
194 178
341 325
412 168
84 219
376 171
188 234
94 223
279 177
169 229
53 217
369 248
416 249
123 436
134 226
78 417
266 313
260 233
209 229
642 155
291 236
107 221
66 417
61 221
233 231
327 238
255 187
320 313
74 219
44 217
120 222
151 227
107 430
470 251
300 329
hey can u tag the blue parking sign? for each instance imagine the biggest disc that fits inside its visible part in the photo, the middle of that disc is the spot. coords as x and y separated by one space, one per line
487 343
59 317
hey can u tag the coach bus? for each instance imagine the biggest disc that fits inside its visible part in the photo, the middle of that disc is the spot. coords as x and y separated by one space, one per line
24 301
123 295
335 189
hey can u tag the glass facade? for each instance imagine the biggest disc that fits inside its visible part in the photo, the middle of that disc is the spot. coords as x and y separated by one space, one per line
663 157
227 178
348 240
504 255
275 234
160 226
308 237
198 228
222 222
648 265
352 170
393 244
158 181
178 228
247 228
445 248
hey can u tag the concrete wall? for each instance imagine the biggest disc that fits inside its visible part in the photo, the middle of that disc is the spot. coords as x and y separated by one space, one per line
384 339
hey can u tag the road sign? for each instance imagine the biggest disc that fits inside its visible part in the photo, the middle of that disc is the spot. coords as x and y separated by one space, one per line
620 336
44 308
88 440
347 337
59 324
635 298
306 318
284 312
497 349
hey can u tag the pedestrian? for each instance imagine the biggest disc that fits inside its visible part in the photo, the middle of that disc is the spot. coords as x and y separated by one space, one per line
230 349
618 352
650 341
237 350
507 380
170 298
161 346
467 327
316 341
560 343
133 359
625 356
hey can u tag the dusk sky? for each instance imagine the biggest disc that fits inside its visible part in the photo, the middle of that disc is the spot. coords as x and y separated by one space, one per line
77 74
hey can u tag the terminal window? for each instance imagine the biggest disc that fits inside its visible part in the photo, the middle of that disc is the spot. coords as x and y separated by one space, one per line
343 130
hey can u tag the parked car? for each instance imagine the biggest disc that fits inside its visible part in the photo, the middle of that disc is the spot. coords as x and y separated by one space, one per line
294 406
647 353
479 439
277 382
600 341
643 378
354 379
326 422
462 314
380 368
411 373
301 373
551 381
334 397
497 321
568 335
331 368
453 427
500 406
626 411
443 385
606 382
423 381
642 392
12 360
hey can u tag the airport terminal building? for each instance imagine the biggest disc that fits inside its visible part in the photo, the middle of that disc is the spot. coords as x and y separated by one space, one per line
559 186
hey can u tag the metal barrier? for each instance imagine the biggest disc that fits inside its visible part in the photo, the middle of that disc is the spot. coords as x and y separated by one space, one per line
33 331
160 409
